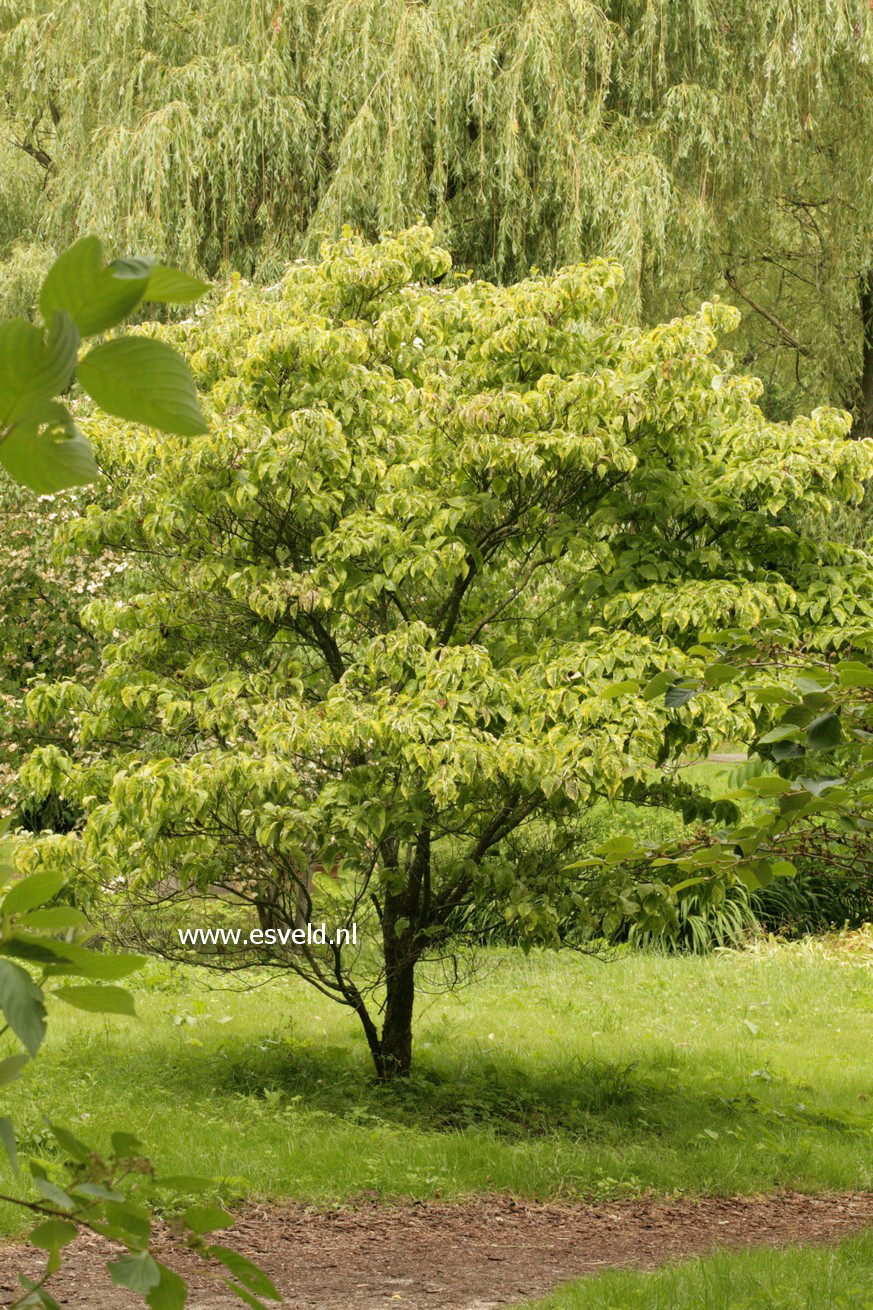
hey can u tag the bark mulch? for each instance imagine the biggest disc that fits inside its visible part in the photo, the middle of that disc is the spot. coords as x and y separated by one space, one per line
476 1255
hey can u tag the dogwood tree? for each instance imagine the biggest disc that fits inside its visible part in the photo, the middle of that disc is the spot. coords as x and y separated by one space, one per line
448 568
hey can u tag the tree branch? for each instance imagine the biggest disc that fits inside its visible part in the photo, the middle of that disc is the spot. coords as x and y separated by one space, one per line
787 335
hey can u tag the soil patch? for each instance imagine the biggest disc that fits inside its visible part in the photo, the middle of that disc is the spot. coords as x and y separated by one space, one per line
476 1255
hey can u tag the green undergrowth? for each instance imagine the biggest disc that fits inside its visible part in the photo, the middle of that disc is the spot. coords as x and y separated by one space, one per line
812 1278
551 1075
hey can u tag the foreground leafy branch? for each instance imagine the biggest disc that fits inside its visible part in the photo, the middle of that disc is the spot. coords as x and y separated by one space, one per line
45 943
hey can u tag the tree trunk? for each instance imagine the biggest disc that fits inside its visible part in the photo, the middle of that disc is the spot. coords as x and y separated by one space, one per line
401 915
866 301
396 1041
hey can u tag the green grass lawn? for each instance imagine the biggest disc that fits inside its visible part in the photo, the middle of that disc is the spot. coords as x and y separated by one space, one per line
548 1075
818 1278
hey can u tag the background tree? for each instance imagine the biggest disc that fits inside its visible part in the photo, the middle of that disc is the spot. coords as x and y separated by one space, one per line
417 600
692 143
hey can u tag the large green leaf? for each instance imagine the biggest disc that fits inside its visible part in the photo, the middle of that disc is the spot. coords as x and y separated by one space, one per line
102 966
31 892
51 1191
138 1272
52 1234
170 1293
38 950
248 1298
206 1218
145 381
854 674
95 296
11 1067
35 365
22 1004
98 1000
133 1220
77 1149
170 286
7 1141
248 1273
46 1300
54 919
48 453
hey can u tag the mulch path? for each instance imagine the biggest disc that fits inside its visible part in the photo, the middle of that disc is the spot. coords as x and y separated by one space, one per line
476 1255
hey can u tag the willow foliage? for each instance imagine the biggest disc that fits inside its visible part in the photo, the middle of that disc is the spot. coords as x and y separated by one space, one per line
683 138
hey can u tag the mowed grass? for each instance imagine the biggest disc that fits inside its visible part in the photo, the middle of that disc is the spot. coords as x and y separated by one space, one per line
817 1278
551 1075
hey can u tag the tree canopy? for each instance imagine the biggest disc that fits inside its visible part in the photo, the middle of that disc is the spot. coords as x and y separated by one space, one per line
689 142
416 598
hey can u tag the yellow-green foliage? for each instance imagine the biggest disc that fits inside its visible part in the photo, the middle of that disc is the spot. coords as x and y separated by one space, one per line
402 607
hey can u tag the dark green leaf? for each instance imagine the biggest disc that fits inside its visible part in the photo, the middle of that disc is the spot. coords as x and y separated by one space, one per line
812 684
22 1004
819 786
97 1191
781 732
135 267
658 685
125 1145
825 732
98 1000
41 950
95 296
787 750
680 693
145 381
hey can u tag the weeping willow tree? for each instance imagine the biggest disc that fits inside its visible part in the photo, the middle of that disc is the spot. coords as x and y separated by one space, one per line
707 147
